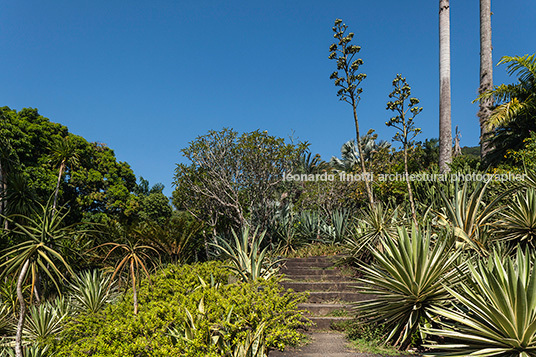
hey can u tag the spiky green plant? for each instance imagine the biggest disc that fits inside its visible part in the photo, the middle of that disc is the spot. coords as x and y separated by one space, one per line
45 321
27 351
378 222
41 233
408 281
497 314
134 258
309 225
91 291
248 261
468 215
518 222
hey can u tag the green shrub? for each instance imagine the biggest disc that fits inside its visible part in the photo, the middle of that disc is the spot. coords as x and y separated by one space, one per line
116 331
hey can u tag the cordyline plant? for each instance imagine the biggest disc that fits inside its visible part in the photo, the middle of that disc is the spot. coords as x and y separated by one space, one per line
408 281
496 314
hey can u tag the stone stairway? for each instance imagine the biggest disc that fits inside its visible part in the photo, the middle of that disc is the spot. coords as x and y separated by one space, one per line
330 293
330 290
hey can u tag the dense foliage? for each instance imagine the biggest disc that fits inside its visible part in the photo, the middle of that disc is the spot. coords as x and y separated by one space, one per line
164 328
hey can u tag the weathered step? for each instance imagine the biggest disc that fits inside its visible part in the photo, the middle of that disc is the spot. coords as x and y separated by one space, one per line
317 277
350 296
318 286
316 309
304 262
311 271
326 322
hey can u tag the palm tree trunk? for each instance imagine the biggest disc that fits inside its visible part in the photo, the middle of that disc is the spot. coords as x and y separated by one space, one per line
60 174
2 193
22 313
134 292
486 75
445 126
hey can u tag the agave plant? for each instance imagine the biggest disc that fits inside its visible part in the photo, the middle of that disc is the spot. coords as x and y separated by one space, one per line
248 261
498 314
378 223
336 232
518 221
91 291
469 217
309 225
408 281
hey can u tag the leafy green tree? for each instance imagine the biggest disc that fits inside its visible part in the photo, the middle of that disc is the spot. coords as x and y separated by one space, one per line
512 119
403 121
234 177
348 79
98 186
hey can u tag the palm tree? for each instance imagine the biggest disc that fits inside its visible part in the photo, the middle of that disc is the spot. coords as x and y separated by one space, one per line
512 118
350 154
445 127
35 254
63 154
486 75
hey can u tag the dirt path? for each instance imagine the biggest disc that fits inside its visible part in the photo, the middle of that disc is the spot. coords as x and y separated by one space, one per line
323 344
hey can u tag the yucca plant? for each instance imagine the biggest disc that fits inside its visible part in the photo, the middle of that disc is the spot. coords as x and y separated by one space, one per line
248 261
27 351
408 281
518 222
497 310
45 320
469 216
91 291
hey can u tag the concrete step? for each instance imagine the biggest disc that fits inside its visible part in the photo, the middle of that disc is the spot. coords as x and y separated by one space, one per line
319 286
312 272
302 262
316 277
316 309
349 296
326 322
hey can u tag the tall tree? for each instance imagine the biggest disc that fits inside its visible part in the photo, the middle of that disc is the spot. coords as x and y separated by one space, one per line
512 118
63 154
348 79
445 126
486 75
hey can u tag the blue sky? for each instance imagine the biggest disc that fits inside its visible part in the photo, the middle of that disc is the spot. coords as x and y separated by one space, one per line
147 77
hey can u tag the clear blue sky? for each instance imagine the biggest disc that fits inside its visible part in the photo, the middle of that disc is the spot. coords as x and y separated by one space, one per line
147 77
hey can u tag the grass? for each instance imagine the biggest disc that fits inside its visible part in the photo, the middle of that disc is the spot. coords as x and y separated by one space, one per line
367 339
316 249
